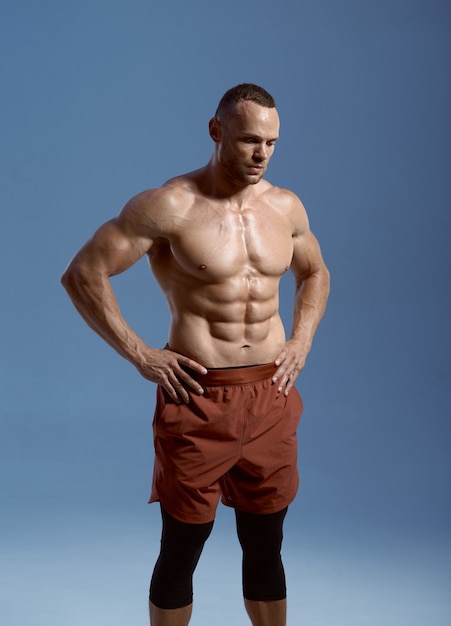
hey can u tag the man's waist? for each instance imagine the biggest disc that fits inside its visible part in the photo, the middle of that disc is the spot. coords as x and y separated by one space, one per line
235 375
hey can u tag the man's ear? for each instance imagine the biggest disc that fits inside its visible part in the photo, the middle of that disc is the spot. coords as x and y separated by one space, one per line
215 129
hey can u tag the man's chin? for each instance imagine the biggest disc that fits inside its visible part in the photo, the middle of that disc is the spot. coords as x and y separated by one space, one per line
246 178
254 178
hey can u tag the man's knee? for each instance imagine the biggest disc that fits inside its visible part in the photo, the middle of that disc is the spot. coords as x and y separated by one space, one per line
261 540
181 546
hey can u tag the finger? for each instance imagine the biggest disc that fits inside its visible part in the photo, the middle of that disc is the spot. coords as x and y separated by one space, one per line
172 392
181 372
193 384
281 358
286 384
290 383
287 379
281 372
182 392
187 380
178 391
169 382
280 378
192 365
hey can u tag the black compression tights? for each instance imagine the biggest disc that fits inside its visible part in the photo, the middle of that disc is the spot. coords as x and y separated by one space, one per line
182 544
261 540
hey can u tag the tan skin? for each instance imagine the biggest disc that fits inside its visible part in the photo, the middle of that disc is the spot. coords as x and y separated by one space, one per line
218 241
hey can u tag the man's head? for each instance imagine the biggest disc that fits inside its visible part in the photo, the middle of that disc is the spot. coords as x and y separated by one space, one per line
241 93
245 129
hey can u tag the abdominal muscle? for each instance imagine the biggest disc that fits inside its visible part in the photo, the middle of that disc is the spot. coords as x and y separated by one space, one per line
220 332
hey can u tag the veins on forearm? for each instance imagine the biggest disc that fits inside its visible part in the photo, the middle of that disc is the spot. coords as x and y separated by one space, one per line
93 297
309 306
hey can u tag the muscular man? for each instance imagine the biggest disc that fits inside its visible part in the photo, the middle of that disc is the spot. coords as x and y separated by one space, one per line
218 241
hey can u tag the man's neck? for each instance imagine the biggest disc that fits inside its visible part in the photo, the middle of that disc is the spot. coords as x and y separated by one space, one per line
219 184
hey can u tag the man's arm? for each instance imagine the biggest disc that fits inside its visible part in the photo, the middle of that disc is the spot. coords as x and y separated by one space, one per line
115 247
312 291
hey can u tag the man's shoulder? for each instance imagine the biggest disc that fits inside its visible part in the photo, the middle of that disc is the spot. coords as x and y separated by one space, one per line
287 204
169 194
172 197
156 212
284 200
183 182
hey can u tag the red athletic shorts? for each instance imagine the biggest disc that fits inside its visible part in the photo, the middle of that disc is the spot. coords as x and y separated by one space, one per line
236 441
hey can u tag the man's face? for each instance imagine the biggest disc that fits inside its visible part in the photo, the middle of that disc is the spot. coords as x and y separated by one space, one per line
247 142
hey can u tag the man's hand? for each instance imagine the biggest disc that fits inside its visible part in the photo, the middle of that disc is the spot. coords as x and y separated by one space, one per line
290 362
167 368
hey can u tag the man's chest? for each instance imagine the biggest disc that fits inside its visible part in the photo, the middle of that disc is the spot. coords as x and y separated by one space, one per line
229 243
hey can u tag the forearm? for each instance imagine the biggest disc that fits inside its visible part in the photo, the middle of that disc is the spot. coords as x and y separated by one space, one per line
309 306
93 297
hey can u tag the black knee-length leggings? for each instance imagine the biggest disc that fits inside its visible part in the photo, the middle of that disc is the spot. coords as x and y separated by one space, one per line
260 537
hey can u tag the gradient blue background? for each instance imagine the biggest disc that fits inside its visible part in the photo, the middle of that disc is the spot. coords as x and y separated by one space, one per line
101 99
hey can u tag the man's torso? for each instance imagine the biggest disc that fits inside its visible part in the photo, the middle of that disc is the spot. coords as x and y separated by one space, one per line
219 266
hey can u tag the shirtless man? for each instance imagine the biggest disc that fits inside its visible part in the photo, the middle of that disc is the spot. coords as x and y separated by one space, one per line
218 241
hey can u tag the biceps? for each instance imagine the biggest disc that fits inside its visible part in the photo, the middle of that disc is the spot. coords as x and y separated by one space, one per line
111 250
307 259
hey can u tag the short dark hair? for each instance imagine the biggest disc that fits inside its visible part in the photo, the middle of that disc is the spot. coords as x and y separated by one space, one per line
244 91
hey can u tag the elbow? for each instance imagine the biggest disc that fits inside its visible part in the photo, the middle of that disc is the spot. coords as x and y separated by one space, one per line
65 279
71 278
68 278
326 280
326 275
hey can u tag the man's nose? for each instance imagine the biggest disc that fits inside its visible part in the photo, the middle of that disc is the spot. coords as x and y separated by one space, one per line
261 152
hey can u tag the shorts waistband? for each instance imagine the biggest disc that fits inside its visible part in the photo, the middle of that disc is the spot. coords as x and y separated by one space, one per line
236 375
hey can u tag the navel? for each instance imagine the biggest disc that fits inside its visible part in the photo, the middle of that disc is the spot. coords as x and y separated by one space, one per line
202 267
